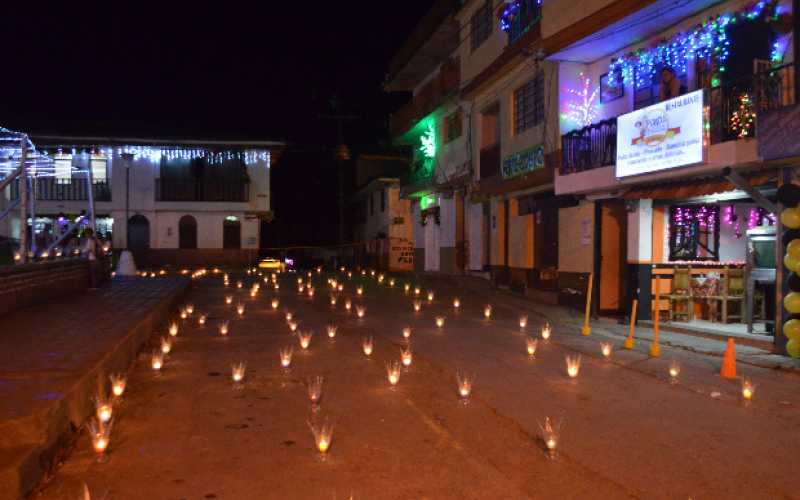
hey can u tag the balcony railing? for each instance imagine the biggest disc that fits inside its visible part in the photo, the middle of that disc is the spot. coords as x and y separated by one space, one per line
54 189
202 190
490 161
591 147
530 13
595 146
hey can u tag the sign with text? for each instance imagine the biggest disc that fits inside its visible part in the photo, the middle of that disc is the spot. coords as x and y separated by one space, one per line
523 162
401 254
662 136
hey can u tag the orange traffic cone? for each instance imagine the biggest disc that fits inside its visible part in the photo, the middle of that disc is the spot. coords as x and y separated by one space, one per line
729 361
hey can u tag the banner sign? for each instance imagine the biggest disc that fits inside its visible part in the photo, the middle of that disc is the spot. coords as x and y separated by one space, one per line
523 162
401 254
662 136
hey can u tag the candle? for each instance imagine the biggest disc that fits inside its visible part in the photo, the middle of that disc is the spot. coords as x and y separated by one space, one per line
253 293
391 282
157 360
487 312
340 287
223 328
314 386
456 303
406 332
173 329
300 288
573 365
299 280
406 356
531 345
239 284
440 321
323 434
748 389
201 320
118 384
190 309
549 434
289 317
184 314
348 304
103 409
393 373
333 300
546 331
237 371
523 321
311 292
360 291
366 346
380 278
305 339
277 286
100 433
293 326
465 382
286 356
361 311
417 306
674 370
275 304
406 287
605 349
240 309
430 297
331 331
166 345
372 272
417 290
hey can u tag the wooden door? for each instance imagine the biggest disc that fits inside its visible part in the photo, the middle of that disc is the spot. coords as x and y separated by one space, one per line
613 249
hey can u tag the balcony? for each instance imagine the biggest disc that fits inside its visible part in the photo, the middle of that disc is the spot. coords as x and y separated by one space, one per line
595 146
53 189
202 190
446 83
490 161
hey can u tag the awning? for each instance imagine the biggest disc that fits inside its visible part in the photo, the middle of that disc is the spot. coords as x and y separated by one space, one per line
692 188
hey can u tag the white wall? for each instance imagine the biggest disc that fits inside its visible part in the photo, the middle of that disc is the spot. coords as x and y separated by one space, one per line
475 234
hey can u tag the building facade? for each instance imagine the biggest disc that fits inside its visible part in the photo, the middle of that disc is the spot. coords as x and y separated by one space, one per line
169 202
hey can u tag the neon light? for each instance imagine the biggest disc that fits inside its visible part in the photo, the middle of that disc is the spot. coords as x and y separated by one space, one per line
428 142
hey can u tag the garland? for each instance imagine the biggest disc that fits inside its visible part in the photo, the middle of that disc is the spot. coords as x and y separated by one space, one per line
710 37
511 11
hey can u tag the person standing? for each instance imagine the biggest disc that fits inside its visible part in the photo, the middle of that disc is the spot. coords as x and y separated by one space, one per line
90 250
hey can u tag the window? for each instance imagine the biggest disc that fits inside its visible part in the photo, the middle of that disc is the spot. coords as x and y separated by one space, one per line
383 200
99 168
481 25
529 13
452 126
63 168
694 232
529 105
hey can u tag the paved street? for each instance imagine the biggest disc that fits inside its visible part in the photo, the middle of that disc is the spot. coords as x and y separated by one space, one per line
626 431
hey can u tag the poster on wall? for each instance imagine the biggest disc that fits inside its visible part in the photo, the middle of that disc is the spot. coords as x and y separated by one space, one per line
662 136
401 254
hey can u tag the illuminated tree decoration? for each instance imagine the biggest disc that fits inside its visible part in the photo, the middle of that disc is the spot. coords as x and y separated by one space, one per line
583 107
428 142
743 119
707 39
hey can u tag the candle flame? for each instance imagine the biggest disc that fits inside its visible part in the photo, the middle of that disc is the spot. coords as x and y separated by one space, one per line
393 372
360 311
748 389
605 348
166 345
240 309
229 299
531 345
201 320
430 296
305 339
275 304
348 304
407 332
440 321
333 300
331 331
456 302
314 386
523 321
546 331
323 434
157 360
417 306
286 356
549 433
573 365
406 356
173 329
118 383
465 382
366 346
237 371
223 328
674 369
487 312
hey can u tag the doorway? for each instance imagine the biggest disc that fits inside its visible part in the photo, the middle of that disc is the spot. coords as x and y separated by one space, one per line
138 233
612 228
187 232
231 234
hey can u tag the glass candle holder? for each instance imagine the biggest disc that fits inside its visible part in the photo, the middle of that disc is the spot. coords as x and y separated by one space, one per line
304 338
286 357
531 345
406 332
464 381
573 365
367 345
238 371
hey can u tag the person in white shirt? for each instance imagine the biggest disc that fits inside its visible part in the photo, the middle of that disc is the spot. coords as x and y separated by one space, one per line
90 250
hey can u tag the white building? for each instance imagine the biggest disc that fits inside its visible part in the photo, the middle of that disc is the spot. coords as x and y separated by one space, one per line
177 202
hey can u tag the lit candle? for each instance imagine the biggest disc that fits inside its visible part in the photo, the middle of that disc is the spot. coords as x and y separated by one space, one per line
286 356
314 386
406 288
380 278
331 331
406 356
100 433
253 293
239 284
360 311
546 331
465 382
333 300
487 312
391 282
323 434
674 370
531 345
237 371
605 348
240 309
301 288
201 320
190 309
372 272
277 286
360 291
440 321
289 317
748 389
573 365
223 328
417 305
366 346
393 373
184 314
305 339
349 274
340 287
293 326
157 360
348 304
275 304
549 433
299 280
417 290
166 345
430 296
523 321
103 410
456 303
173 329
406 332
118 384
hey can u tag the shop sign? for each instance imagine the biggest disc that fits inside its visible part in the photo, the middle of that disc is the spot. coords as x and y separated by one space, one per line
523 162
662 136
401 254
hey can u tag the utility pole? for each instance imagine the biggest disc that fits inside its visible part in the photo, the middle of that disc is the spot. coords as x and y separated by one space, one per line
342 155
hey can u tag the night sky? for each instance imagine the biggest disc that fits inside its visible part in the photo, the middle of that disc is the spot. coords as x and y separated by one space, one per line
230 70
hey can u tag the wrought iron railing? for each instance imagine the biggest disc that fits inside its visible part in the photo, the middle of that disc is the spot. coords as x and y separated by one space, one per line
202 190
54 189
591 147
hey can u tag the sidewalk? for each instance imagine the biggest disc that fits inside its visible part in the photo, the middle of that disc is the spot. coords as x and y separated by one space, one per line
607 329
53 357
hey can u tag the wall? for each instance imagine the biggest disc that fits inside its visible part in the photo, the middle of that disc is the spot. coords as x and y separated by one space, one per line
520 238
576 238
475 235
560 14
472 63
497 233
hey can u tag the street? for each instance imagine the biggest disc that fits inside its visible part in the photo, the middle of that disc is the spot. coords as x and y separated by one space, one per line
626 429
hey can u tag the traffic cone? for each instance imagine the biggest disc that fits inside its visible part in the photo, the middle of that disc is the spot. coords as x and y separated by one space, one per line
729 361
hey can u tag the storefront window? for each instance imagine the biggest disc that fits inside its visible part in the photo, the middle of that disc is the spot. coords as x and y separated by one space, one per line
694 232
